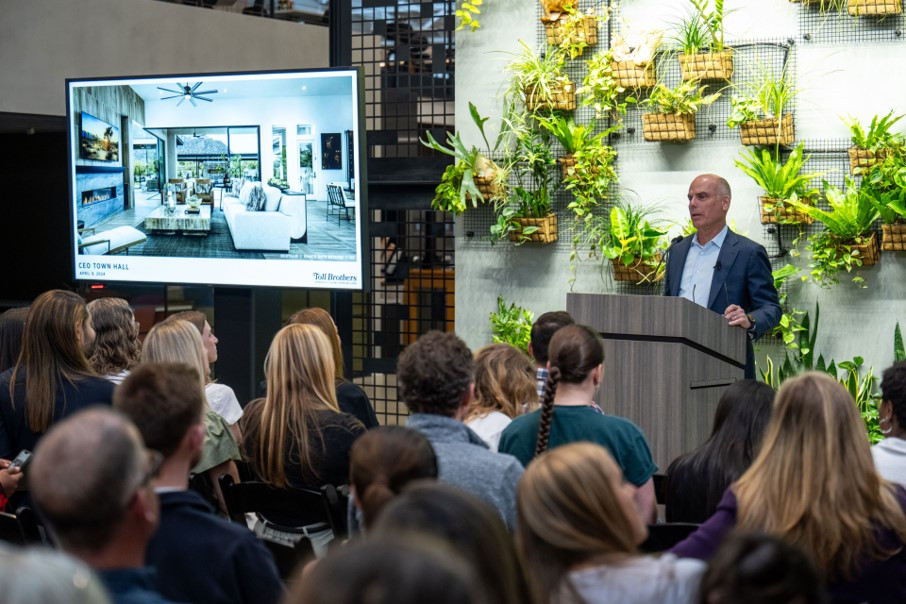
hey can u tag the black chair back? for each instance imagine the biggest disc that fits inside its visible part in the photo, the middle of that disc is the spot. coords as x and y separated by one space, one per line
305 506
20 528
662 537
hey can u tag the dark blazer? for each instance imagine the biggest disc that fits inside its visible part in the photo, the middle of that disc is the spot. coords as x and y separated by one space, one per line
744 278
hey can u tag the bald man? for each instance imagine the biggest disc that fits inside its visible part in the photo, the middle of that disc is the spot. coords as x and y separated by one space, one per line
720 270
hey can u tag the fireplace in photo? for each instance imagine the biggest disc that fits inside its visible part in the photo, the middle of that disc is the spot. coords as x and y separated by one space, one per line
95 195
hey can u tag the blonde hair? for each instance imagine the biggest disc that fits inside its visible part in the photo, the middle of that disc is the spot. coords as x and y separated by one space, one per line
300 381
568 513
176 341
814 482
321 319
504 381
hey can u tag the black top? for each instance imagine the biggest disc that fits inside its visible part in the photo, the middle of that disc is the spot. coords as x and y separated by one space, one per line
200 557
354 401
329 452
15 434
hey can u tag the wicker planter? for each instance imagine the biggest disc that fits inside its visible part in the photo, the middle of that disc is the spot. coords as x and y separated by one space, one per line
566 162
768 132
668 127
865 159
707 66
546 233
632 75
874 8
893 237
868 251
638 270
773 210
488 188
557 34
562 98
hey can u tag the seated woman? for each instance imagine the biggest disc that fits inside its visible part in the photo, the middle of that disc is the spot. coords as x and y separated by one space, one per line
179 342
117 349
504 387
220 397
696 481
579 532
12 330
350 398
381 463
814 485
890 453
569 414
296 436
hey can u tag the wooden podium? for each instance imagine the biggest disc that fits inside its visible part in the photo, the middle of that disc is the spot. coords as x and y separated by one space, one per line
667 361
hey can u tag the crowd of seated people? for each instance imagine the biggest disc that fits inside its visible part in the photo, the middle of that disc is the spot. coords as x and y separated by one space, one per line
130 442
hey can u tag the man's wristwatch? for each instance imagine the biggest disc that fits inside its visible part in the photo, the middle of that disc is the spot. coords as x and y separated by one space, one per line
751 330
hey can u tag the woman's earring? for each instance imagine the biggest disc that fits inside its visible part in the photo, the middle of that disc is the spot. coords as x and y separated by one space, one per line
881 424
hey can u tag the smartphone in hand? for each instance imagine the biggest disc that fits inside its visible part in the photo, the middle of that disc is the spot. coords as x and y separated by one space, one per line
21 460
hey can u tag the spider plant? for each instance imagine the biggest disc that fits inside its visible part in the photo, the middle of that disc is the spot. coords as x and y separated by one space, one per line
764 96
702 29
539 76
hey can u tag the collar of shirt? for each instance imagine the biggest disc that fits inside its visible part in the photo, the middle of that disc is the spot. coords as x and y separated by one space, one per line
718 239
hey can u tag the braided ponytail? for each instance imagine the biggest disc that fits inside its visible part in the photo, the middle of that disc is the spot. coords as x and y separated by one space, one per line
547 410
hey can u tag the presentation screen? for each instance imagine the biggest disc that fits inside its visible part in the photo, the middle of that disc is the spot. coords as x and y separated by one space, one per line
247 179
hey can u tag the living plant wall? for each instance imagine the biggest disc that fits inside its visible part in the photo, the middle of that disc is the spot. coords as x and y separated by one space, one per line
580 126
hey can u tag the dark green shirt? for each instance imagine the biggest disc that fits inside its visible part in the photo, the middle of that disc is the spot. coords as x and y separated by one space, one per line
622 438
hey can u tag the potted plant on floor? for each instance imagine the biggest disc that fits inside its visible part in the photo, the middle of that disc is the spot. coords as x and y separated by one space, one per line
671 111
573 30
781 182
761 110
634 245
472 178
700 37
847 241
885 183
873 145
539 82
632 59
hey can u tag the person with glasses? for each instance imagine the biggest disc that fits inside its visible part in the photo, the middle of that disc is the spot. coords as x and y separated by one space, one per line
198 556
91 481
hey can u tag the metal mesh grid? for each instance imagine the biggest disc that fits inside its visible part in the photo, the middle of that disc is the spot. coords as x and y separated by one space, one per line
835 25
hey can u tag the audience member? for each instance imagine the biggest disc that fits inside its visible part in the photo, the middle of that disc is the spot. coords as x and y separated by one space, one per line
198 557
179 342
383 461
751 568
389 571
117 348
435 378
504 388
9 482
568 414
221 398
890 453
55 368
12 328
350 398
696 481
543 329
579 532
814 485
469 525
46 576
296 436
91 480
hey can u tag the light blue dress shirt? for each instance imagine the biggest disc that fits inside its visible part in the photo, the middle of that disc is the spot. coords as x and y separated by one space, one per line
698 272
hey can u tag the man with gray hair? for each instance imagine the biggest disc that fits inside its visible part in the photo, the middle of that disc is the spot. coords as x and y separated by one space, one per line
91 481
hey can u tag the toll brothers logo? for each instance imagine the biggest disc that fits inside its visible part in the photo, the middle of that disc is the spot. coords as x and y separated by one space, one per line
334 278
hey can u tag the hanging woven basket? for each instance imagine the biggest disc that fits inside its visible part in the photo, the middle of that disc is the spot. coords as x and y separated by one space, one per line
865 159
768 132
488 187
638 270
868 249
566 162
773 210
562 97
668 127
546 233
632 75
707 66
893 237
874 8
557 32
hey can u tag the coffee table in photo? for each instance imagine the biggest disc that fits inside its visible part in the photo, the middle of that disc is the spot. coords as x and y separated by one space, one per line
159 221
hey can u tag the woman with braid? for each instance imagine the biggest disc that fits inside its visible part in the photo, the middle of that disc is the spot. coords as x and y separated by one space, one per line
569 414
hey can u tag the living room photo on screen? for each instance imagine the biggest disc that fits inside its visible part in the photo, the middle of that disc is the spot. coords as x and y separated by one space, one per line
230 179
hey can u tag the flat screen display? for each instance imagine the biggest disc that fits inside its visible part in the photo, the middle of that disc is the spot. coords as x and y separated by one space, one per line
244 179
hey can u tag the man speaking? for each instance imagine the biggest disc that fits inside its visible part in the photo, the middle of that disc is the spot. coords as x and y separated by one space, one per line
720 270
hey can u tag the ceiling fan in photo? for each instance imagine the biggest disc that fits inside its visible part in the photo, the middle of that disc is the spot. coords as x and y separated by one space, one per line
187 93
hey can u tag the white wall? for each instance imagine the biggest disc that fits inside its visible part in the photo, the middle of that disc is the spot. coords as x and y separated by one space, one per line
43 42
835 80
